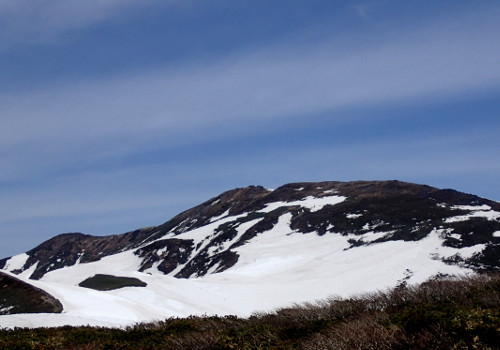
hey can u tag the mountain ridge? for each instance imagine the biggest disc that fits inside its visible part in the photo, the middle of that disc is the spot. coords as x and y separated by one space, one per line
403 204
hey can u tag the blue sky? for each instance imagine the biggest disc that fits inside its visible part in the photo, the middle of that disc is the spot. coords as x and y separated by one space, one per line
120 114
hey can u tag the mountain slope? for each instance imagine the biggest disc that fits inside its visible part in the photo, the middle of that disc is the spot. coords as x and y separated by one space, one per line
253 248
17 296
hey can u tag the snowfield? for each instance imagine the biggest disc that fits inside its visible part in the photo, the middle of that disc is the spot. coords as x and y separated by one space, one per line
276 268
482 211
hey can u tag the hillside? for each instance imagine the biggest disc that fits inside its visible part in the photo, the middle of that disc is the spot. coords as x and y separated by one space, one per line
17 297
253 248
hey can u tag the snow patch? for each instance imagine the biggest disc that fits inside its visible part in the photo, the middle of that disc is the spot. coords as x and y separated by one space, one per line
28 272
472 207
6 309
161 251
468 252
372 226
310 202
480 211
496 234
213 269
80 257
490 215
16 262
353 216
241 229
373 235
217 218
154 268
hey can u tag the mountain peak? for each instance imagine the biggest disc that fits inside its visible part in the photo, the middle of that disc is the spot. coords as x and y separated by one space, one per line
405 211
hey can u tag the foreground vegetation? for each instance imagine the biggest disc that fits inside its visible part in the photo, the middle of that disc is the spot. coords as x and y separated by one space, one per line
440 314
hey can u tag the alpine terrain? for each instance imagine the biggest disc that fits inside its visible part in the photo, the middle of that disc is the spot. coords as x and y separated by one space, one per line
254 249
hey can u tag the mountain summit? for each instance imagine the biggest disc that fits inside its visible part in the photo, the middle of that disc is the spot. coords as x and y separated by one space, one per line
253 248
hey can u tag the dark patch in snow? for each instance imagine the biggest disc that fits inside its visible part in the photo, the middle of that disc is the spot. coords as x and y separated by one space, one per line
109 282
166 254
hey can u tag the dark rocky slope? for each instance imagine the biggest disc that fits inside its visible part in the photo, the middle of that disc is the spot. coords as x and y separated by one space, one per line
18 297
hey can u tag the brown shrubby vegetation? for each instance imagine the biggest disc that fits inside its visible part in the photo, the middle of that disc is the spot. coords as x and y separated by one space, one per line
460 313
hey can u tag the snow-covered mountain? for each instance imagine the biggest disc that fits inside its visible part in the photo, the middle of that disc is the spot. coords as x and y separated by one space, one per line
253 249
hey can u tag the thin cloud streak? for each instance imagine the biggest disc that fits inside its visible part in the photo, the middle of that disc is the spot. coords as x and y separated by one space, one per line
35 22
244 90
112 190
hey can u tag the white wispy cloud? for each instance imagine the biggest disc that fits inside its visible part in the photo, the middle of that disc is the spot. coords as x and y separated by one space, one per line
208 99
140 186
31 21
363 12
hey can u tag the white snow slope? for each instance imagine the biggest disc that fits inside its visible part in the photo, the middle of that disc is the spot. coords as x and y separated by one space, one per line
277 268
